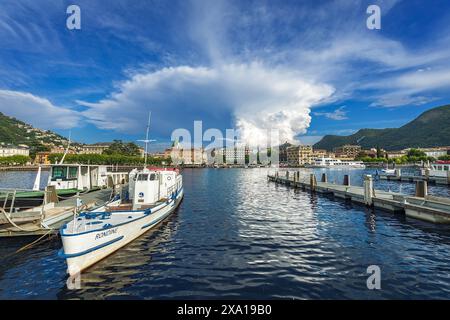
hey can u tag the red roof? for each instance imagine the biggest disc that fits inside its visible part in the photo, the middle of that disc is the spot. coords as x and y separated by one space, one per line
162 169
443 162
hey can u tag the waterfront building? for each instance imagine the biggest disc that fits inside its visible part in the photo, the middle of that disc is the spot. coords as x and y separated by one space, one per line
96 148
347 151
186 155
436 152
42 158
395 154
9 150
142 152
282 152
300 155
233 155
320 153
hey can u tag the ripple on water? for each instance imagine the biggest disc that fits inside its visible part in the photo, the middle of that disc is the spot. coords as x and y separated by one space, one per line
236 235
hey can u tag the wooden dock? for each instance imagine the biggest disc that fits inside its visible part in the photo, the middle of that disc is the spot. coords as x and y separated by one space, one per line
421 206
398 176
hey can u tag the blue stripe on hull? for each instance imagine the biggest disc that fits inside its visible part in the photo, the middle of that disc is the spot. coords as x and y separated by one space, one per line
79 254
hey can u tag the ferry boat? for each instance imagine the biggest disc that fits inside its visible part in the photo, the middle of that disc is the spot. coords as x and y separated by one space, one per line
335 163
438 169
153 194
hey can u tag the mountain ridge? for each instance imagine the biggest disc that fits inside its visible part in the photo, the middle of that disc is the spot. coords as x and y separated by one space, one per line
14 131
429 129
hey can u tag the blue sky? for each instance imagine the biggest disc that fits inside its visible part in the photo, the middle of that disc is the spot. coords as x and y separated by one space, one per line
307 68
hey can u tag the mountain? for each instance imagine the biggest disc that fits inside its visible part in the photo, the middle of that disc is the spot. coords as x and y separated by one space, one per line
13 131
430 129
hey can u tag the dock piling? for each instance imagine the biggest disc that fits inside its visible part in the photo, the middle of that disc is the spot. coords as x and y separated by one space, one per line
421 189
312 181
368 189
346 180
324 178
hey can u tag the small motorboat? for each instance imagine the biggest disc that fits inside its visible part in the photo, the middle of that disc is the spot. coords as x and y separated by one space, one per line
388 171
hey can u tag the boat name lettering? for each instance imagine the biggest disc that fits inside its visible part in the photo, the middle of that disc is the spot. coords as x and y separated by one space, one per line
105 233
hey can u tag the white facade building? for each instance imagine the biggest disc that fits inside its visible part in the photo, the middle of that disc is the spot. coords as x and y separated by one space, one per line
11 150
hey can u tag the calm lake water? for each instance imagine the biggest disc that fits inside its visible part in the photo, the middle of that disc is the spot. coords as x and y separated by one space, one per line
236 235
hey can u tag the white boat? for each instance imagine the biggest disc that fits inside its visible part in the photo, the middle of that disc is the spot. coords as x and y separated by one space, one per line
388 171
153 194
335 163
438 169
91 236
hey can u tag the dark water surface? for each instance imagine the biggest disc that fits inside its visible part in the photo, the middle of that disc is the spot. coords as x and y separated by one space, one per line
236 235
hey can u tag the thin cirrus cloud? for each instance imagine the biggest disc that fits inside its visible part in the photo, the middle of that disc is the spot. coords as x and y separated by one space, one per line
338 114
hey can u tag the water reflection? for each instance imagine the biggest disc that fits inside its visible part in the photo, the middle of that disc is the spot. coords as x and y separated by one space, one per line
236 235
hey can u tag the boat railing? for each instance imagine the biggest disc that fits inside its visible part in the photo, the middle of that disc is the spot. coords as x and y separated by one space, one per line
15 199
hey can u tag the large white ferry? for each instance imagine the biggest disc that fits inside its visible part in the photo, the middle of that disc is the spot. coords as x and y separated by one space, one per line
335 163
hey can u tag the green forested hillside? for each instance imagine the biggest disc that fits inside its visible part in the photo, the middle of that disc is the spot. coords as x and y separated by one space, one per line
13 131
430 129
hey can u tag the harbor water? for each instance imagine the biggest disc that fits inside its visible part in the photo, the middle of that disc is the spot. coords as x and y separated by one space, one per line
238 236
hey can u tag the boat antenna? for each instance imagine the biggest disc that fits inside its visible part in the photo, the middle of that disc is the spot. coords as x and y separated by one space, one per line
147 141
67 149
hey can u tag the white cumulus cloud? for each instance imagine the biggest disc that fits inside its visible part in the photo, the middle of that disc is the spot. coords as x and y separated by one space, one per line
37 111
258 98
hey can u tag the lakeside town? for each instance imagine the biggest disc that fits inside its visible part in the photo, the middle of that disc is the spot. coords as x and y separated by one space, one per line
289 154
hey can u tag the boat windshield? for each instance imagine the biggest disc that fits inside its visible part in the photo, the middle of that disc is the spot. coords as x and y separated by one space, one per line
142 177
59 172
73 171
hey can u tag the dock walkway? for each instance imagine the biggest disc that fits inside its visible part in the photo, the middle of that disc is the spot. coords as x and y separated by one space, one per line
52 216
421 206
415 178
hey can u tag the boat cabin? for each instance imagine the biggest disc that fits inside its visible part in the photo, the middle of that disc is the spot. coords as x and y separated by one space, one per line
438 169
149 186
77 176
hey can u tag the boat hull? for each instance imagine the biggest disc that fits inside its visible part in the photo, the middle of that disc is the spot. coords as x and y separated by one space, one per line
84 250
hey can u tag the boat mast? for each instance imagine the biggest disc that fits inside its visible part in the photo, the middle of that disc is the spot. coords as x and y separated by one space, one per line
67 149
147 140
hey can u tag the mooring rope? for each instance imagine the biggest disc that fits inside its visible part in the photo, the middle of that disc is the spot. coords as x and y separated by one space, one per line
14 224
33 243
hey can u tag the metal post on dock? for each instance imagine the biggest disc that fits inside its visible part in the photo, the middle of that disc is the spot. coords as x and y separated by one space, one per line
312 182
346 180
421 189
287 175
368 189
298 176
324 178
